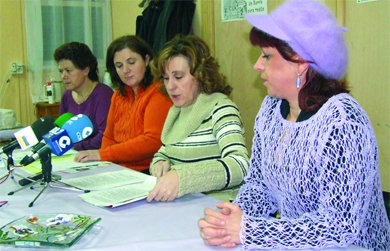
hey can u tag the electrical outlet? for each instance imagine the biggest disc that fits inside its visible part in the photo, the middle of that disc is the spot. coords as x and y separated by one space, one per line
16 68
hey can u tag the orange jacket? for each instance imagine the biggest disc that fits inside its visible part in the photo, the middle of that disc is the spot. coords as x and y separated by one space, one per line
134 126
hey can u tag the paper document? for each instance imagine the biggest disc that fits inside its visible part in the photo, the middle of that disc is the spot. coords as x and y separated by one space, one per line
106 180
66 164
122 195
70 166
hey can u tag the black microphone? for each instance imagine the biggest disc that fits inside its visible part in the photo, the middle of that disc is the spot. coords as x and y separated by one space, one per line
34 132
27 159
29 180
9 147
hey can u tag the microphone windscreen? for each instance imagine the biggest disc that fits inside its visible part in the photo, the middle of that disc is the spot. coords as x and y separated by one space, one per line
58 140
31 135
60 121
78 128
42 126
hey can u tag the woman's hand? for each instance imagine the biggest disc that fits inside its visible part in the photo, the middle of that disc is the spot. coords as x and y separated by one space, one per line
166 189
87 155
221 228
160 168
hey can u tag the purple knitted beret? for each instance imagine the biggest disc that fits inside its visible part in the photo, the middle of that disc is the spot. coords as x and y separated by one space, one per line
312 31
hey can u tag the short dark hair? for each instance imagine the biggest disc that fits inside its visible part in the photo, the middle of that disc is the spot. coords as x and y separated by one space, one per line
317 89
135 44
81 57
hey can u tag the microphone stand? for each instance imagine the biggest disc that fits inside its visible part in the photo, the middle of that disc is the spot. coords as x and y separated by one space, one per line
45 158
9 162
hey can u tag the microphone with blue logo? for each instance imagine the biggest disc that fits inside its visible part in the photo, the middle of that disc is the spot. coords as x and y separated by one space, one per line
60 140
59 122
76 129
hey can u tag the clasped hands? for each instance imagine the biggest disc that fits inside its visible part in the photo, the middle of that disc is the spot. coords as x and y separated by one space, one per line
221 228
167 186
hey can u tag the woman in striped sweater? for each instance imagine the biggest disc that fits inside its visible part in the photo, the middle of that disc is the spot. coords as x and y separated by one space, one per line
203 145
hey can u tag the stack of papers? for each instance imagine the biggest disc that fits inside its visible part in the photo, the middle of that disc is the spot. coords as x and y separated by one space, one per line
66 164
115 188
105 188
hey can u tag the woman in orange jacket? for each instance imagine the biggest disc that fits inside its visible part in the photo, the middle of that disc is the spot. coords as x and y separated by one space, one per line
138 109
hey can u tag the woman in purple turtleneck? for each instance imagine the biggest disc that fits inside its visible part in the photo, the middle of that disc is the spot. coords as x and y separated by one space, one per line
83 94
315 156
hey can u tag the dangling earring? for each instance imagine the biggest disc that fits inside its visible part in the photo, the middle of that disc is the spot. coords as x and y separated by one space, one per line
298 81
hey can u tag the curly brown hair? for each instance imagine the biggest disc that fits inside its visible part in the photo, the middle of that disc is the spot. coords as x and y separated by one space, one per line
202 65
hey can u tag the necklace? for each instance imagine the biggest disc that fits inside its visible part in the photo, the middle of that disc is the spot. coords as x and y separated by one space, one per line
81 98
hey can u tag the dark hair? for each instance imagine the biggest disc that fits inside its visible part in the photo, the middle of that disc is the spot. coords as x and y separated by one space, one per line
202 65
317 89
81 57
135 44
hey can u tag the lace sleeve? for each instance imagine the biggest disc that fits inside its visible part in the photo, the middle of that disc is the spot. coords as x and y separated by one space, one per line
254 195
347 181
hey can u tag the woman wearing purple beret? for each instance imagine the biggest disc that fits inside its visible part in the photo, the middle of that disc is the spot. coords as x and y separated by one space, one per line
314 159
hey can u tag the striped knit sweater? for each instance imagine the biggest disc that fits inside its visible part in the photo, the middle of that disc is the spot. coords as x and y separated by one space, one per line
205 144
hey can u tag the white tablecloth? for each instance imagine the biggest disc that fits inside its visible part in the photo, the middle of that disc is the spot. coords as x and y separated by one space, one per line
136 226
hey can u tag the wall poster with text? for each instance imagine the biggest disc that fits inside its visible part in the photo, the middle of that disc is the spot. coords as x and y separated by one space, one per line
233 10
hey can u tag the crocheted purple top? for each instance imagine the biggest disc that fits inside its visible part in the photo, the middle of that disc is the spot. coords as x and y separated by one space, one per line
322 176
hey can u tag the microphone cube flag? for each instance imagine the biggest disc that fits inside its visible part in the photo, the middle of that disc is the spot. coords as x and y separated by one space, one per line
78 128
26 137
58 140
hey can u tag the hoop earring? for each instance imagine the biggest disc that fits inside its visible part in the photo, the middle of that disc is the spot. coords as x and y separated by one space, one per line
298 81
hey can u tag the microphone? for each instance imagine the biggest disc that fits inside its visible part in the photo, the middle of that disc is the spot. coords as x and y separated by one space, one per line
79 127
60 121
74 130
60 140
30 135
